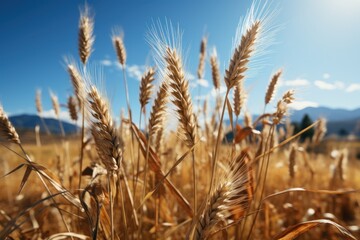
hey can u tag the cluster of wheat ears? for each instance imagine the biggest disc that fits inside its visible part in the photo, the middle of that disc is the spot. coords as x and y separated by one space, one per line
166 184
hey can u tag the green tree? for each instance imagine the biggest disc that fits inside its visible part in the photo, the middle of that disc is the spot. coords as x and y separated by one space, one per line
305 122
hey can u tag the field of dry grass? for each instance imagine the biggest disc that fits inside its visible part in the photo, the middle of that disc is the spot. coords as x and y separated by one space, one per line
115 182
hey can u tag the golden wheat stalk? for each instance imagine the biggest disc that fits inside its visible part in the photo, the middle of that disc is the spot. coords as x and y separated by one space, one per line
38 103
120 48
182 101
7 129
248 41
158 110
215 72
157 115
56 107
86 38
281 110
159 140
228 201
288 96
241 56
77 82
292 161
202 57
181 95
239 98
55 104
146 87
270 92
79 90
320 131
72 108
39 109
108 143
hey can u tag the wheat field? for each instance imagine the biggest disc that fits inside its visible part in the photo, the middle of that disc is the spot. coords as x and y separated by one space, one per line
117 180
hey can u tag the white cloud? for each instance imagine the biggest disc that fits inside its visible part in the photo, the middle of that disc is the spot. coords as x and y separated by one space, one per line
326 75
324 85
298 105
203 83
135 71
329 86
64 115
106 62
353 87
221 91
296 82
189 76
118 65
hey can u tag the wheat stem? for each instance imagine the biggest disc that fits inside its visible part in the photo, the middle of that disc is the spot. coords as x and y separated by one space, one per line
216 149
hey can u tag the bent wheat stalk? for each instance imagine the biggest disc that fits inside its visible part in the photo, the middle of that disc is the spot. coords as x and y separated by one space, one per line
229 200
108 144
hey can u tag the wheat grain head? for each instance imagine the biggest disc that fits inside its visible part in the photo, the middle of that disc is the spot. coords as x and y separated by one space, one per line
86 38
7 129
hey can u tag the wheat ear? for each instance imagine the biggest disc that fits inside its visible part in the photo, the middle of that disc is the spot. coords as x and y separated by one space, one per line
77 82
241 56
229 199
108 142
202 57
292 161
146 87
159 108
120 49
79 90
7 129
236 73
55 103
288 96
180 95
182 101
56 107
72 106
38 104
270 92
320 131
239 98
215 72
86 38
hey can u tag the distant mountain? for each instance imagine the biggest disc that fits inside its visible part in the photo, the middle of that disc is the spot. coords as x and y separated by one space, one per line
28 122
332 115
339 121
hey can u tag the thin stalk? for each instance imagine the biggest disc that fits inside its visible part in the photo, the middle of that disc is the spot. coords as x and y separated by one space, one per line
45 126
135 177
233 150
126 93
82 142
123 210
263 182
194 180
111 206
213 171
145 180
61 128
131 199
130 117
157 207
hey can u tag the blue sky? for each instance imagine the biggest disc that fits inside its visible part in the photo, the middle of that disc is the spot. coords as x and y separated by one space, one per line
317 47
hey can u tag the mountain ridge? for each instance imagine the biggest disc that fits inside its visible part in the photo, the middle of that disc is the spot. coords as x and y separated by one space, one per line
23 122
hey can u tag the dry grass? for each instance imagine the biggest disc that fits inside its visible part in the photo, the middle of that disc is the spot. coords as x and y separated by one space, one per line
266 184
